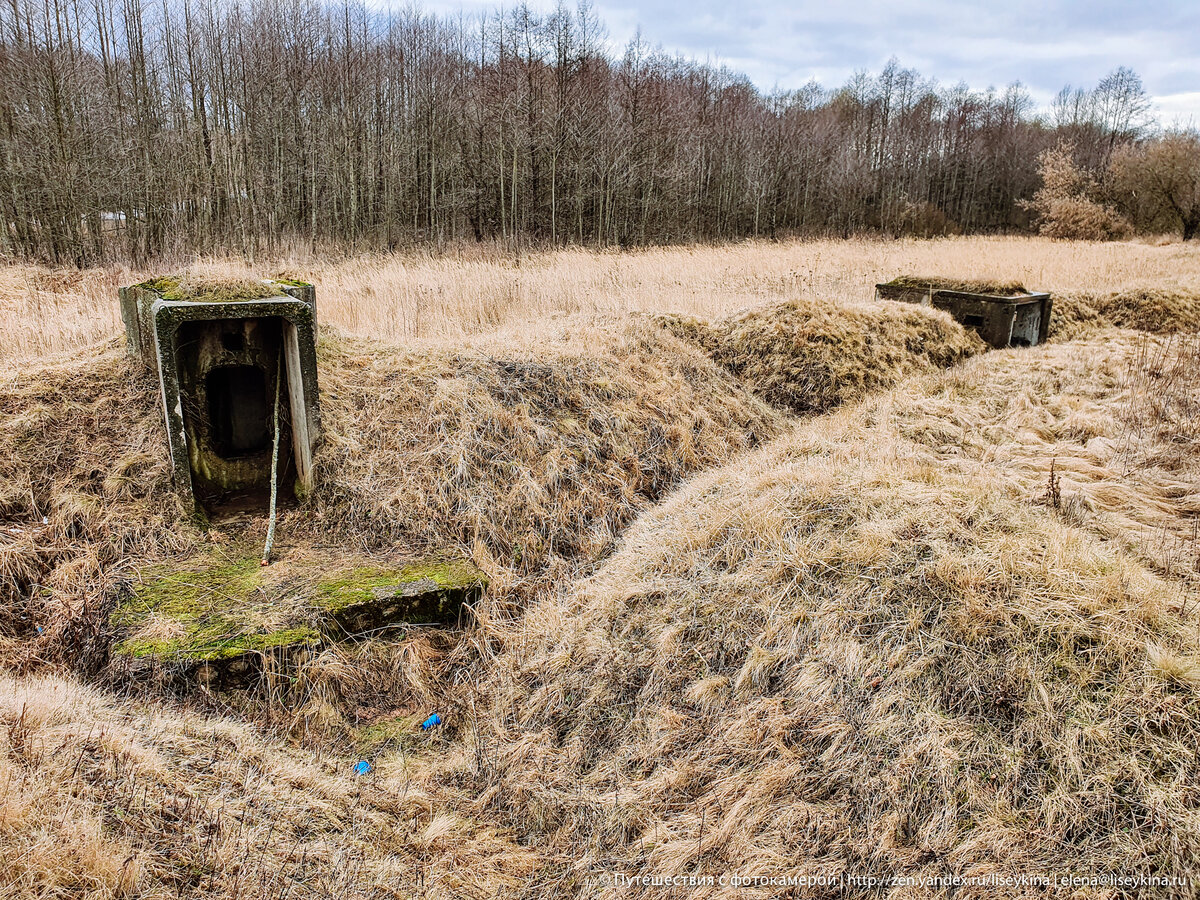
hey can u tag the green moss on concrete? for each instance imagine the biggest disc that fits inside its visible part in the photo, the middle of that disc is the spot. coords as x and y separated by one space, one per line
360 585
165 286
212 641
191 594
211 612
212 609
195 290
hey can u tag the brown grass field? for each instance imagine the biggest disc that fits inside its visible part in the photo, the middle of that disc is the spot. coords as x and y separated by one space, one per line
420 298
784 581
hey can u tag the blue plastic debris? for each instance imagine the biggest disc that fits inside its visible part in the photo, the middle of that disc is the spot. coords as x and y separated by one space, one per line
362 767
435 719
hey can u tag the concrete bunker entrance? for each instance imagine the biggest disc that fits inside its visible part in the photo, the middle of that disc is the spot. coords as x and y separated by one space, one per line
229 372
239 411
1002 315
1027 325
230 358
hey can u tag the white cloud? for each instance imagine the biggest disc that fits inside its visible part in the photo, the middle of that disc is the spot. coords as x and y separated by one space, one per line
1045 44
1178 109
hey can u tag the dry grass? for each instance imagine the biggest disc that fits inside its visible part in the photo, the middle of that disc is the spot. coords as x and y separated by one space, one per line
868 647
1153 309
877 644
974 286
84 487
532 458
528 452
438 298
810 356
107 799
1162 415
1115 416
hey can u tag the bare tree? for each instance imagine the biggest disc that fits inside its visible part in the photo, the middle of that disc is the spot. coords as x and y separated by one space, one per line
131 129
1160 181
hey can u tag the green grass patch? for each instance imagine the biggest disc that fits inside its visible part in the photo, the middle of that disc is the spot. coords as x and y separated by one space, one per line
197 290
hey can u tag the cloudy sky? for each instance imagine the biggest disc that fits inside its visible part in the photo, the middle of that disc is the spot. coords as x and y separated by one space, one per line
1042 43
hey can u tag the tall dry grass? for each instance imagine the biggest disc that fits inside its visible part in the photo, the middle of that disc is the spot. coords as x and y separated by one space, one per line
871 647
103 799
425 298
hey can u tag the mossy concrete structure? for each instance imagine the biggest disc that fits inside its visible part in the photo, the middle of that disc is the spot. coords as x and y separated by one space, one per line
218 355
219 616
1016 320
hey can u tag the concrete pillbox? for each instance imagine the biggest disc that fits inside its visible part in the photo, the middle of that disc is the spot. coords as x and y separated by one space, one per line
219 351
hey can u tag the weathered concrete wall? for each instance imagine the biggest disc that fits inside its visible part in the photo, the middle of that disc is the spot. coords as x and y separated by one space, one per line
1019 320
218 363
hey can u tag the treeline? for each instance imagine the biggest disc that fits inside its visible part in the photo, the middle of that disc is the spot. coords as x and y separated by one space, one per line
131 129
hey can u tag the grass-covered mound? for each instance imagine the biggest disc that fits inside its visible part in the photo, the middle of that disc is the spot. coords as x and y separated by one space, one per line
523 458
106 798
870 647
810 357
526 453
85 488
197 289
1115 419
1161 311
966 285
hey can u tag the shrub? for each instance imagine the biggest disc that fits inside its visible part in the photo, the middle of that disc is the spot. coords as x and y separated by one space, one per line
1063 204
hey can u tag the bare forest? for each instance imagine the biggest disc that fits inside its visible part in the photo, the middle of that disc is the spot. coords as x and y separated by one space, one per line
130 131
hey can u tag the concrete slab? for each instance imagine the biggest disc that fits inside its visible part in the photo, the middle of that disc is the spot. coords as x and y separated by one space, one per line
217 618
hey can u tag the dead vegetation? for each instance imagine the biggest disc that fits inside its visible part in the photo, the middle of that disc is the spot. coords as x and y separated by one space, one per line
879 643
868 647
442 299
1162 411
527 453
1070 203
1084 408
84 487
811 357
1156 310
968 285
527 458
105 798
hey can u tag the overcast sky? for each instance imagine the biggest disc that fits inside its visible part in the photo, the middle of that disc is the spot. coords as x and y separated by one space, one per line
1042 43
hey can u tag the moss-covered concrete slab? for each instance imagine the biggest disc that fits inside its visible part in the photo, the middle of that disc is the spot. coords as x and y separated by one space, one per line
219 615
370 597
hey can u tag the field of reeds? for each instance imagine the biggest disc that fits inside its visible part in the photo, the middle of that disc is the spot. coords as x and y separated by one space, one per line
422 298
783 582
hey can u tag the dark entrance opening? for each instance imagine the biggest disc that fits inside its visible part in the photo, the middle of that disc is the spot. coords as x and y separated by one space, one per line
228 370
238 411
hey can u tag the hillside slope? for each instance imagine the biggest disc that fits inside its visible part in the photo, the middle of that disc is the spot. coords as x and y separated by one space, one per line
872 647
108 798
880 641
812 356
524 456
